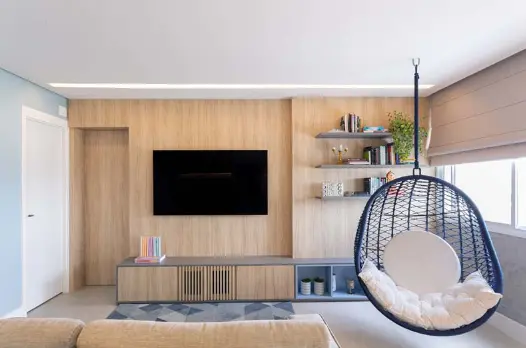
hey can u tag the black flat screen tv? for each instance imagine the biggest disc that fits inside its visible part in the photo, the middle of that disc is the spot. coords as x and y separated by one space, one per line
210 182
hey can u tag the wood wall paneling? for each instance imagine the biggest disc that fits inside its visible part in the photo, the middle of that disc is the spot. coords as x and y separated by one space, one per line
327 228
265 282
203 124
297 224
77 263
106 218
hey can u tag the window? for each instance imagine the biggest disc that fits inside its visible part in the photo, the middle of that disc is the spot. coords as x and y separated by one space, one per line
488 184
498 188
520 167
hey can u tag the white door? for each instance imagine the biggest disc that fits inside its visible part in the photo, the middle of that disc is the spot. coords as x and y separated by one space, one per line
43 238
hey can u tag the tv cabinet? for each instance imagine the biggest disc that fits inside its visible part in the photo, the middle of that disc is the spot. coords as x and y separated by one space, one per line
202 279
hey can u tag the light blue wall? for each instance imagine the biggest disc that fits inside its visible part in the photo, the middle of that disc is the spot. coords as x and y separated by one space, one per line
512 257
15 92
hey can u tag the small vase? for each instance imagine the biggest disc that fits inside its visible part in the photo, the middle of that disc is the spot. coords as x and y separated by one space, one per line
305 288
319 288
350 286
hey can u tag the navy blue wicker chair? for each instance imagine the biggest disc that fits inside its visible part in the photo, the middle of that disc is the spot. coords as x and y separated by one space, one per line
434 205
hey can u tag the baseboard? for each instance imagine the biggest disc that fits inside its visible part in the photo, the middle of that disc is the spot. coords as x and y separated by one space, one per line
509 327
19 312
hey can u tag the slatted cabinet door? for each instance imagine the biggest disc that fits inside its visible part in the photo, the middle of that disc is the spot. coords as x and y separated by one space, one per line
207 283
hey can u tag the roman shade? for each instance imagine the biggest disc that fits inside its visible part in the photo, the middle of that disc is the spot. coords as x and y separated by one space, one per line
482 117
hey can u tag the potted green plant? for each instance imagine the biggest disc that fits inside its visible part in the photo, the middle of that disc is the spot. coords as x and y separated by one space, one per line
401 126
319 286
306 286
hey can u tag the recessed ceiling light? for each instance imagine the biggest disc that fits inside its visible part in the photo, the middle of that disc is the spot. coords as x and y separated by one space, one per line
224 86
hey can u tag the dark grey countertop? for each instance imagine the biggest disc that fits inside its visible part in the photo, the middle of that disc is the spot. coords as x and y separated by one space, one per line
237 261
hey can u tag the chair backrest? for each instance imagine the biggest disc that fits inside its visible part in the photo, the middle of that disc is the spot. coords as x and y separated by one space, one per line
421 262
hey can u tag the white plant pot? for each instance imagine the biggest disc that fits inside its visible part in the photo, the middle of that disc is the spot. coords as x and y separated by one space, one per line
305 288
319 288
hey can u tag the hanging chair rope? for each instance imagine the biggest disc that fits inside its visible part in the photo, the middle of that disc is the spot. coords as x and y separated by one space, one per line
416 63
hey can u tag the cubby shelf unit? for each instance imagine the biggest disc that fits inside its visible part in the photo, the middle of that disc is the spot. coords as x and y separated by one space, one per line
342 273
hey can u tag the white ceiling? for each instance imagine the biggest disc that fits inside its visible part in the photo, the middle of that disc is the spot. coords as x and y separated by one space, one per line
254 42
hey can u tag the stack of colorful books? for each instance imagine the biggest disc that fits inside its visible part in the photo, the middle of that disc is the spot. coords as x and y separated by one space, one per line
151 250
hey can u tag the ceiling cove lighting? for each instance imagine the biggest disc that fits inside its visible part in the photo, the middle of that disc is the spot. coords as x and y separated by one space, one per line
224 86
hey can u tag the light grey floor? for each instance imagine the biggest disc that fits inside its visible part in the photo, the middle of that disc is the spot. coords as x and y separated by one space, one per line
355 324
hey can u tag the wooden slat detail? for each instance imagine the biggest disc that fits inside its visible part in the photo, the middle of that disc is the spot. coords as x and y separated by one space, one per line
265 282
207 283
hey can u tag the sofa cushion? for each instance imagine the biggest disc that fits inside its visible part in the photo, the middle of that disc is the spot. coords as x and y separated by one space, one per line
39 333
242 334
333 343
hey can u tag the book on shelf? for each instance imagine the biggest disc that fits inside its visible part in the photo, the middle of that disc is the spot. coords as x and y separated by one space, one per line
391 159
383 154
351 161
379 129
367 154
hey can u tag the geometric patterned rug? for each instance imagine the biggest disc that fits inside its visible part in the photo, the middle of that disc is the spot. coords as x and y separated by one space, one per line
204 312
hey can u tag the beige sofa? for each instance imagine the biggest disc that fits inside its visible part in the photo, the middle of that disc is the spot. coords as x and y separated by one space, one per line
70 333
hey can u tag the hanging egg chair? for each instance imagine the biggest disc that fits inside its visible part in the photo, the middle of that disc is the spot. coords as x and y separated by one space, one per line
425 203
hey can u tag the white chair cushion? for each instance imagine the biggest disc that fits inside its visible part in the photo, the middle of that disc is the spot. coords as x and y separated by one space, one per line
459 305
436 270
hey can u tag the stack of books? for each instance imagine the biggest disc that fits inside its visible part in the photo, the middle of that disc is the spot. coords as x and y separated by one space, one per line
351 123
355 161
370 185
151 250
378 129
381 155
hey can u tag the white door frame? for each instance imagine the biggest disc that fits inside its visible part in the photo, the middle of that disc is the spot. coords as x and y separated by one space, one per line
38 116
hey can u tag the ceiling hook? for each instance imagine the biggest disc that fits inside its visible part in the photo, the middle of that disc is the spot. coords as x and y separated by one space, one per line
416 62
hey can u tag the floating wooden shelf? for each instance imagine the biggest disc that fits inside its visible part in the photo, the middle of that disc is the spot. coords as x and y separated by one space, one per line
358 135
341 198
362 166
